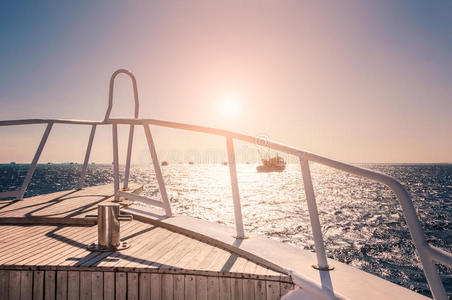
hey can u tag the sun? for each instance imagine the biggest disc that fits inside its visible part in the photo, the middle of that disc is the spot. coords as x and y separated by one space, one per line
229 106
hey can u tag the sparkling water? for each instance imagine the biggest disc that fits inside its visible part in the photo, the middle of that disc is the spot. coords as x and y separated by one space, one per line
362 222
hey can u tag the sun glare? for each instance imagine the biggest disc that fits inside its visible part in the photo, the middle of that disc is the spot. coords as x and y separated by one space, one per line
229 106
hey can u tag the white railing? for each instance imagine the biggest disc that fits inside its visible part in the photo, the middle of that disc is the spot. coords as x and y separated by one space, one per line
428 254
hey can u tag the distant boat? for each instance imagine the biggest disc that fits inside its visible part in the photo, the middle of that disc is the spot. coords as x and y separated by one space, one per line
191 163
49 163
12 163
273 164
164 163
225 163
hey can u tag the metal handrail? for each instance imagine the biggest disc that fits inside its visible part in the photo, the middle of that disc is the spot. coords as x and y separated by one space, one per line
111 90
131 129
428 255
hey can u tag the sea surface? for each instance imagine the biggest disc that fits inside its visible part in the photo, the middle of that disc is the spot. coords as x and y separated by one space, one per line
362 222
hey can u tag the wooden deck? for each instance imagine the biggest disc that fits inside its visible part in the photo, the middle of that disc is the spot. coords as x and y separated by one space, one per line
43 252
65 207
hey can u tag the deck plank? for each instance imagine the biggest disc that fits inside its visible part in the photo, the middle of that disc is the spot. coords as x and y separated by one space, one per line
85 285
167 287
61 282
61 204
209 259
14 285
132 286
149 249
225 288
126 256
201 288
126 259
250 268
218 263
73 285
26 285
10 236
163 253
184 254
272 288
84 257
260 289
190 287
213 288
156 286
145 286
45 252
109 285
248 289
49 285
31 246
4 283
236 289
121 286
160 263
38 285
239 265
28 238
97 285
200 253
179 287
168 256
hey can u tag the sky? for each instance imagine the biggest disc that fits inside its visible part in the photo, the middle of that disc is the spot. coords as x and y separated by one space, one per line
356 81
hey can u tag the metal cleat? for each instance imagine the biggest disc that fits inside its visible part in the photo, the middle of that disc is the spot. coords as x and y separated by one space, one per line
108 219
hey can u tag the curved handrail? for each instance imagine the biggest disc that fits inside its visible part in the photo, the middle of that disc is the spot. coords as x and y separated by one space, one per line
429 255
110 94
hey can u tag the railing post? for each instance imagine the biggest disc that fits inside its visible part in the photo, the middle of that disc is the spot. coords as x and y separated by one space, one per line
322 263
418 237
115 161
129 155
235 189
87 154
158 171
34 162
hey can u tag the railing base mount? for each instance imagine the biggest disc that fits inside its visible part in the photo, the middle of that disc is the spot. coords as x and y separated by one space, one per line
327 268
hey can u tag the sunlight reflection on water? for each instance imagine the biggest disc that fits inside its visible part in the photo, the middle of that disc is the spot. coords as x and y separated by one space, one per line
361 220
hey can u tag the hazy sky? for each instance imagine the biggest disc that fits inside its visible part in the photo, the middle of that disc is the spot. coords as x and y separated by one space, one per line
358 81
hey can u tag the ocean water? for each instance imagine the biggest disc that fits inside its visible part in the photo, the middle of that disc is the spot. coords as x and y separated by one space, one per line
362 222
